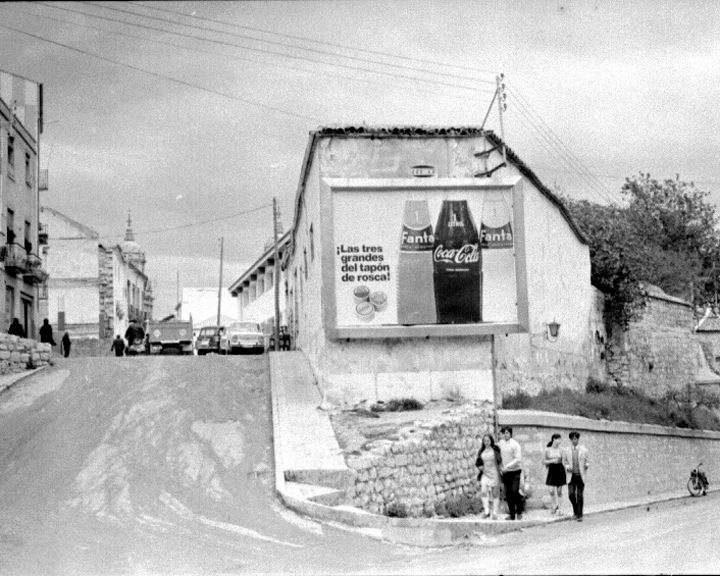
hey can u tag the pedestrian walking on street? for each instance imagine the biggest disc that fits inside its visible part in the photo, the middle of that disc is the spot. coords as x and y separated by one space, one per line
16 329
555 472
118 345
489 461
65 345
46 334
576 464
511 468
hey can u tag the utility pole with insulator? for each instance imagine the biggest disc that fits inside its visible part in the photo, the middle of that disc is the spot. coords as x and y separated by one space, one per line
276 275
222 241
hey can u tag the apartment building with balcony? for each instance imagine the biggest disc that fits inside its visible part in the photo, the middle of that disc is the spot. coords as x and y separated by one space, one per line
21 256
95 288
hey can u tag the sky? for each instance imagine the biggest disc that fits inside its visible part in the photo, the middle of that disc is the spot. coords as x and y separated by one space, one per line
193 116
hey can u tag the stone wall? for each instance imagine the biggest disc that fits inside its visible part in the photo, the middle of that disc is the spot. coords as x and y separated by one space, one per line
429 463
18 354
659 352
627 461
90 347
107 298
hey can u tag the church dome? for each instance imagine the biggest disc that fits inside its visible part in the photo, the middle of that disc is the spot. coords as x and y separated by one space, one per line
132 249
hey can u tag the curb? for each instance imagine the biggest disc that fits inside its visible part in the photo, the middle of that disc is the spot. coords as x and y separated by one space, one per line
9 380
420 532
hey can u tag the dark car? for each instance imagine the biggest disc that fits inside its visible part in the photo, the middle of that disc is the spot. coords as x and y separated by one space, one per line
208 340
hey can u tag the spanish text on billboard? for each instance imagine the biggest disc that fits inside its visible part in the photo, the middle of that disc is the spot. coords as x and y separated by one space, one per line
408 257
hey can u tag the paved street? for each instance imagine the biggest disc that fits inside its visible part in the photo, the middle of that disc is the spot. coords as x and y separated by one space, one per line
678 537
164 466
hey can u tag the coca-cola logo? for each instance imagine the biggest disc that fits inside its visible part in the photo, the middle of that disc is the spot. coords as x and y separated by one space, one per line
466 254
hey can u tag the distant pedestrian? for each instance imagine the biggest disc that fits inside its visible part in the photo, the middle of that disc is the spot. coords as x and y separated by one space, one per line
65 345
46 333
118 345
576 464
16 329
555 472
511 469
489 462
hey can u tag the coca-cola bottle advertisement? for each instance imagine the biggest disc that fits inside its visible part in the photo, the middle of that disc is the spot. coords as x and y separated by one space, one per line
457 265
415 290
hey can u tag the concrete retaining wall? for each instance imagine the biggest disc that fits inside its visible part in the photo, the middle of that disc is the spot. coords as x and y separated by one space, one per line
627 461
18 354
433 461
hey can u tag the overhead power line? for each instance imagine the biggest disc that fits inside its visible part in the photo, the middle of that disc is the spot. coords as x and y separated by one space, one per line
277 43
163 76
334 75
320 42
558 141
190 225
259 50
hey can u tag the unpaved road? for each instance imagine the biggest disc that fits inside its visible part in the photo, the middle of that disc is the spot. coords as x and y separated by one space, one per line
159 465
164 465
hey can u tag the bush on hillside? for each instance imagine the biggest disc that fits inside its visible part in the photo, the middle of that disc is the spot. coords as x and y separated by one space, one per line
602 401
397 405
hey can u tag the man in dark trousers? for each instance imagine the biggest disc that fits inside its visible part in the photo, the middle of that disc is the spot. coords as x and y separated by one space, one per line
16 329
576 464
65 345
118 345
46 334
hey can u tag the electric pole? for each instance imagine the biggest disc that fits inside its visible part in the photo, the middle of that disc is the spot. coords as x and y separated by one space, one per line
502 106
276 275
222 241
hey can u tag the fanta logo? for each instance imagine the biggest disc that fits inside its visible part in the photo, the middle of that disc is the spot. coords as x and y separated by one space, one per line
417 239
466 255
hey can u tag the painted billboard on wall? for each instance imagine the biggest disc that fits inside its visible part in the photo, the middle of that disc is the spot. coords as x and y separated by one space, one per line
431 256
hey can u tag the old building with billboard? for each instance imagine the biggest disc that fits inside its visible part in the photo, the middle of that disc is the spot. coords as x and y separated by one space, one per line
23 272
95 288
432 262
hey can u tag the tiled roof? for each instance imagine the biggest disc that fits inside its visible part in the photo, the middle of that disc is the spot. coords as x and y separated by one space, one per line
425 132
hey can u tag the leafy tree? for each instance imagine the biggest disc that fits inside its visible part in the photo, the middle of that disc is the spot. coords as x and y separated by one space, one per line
663 235
616 263
677 226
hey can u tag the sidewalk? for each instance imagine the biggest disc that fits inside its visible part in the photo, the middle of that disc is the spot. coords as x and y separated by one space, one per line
7 380
310 471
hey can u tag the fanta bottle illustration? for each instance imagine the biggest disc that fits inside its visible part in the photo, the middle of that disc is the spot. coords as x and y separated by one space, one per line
457 265
415 292
497 244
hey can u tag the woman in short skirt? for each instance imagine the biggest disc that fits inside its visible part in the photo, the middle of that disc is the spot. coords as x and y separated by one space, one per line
489 462
555 472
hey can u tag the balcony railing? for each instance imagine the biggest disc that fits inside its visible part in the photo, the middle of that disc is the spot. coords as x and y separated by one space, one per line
34 273
42 234
15 259
43 181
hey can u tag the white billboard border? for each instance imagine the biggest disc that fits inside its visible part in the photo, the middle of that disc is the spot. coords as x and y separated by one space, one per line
328 186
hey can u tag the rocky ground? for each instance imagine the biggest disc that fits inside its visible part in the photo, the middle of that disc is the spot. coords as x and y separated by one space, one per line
358 428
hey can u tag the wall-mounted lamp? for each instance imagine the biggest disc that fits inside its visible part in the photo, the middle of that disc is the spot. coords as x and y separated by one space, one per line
553 330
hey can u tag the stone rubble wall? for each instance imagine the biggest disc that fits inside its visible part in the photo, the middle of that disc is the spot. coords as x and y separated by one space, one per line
430 462
659 352
18 354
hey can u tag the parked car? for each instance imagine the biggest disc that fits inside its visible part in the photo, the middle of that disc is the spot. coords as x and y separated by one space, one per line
208 340
242 336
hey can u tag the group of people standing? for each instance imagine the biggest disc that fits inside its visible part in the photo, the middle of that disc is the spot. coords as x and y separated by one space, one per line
500 464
